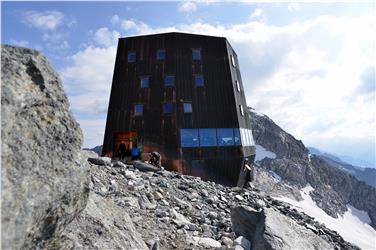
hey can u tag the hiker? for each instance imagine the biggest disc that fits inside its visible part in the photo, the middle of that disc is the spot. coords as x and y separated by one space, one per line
122 150
135 152
156 159
246 174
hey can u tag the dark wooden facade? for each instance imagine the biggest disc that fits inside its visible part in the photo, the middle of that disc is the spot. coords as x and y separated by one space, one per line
216 104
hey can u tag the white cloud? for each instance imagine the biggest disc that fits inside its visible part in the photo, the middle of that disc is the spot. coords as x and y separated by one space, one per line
257 13
115 19
307 69
105 37
187 6
47 20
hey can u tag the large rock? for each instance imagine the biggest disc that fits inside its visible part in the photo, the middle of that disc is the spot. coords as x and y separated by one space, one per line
269 229
102 225
44 179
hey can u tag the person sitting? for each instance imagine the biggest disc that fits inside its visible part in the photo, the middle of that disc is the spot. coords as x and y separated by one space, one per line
156 159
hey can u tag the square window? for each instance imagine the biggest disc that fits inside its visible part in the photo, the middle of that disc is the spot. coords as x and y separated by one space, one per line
169 81
167 108
237 85
196 54
241 110
161 54
187 108
199 80
233 61
131 56
144 82
138 109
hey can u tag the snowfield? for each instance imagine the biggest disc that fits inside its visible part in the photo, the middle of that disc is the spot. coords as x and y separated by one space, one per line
353 226
262 153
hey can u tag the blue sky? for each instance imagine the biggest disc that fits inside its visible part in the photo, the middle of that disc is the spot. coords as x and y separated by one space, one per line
309 66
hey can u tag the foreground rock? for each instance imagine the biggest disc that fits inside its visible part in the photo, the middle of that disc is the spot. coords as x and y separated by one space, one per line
174 211
269 229
44 180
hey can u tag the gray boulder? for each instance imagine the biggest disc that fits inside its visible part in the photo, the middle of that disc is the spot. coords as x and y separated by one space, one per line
102 225
269 229
44 180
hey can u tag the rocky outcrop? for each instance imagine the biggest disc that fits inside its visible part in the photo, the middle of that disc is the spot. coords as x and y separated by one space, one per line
44 179
170 210
334 188
268 229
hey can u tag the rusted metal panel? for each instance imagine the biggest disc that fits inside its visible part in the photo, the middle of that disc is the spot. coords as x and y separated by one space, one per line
214 105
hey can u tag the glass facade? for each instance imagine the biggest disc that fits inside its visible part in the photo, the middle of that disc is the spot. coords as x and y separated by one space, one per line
189 137
212 137
167 108
138 109
208 137
169 81
196 54
199 80
187 108
225 136
144 82
161 54
131 56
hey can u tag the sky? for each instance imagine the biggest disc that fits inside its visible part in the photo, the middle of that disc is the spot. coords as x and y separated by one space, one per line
308 66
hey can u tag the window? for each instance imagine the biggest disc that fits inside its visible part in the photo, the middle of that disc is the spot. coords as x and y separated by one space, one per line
242 135
138 109
167 108
187 108
144 82
241 110
131 56
251 142
189 137
161 54
237 140
199 80
225 136
233 61
208 137
196 54
169 81
237 85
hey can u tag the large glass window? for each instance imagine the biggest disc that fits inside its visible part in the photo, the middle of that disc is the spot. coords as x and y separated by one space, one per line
161 54
189 137
199 80
251 142
196 54
225 136
131 56
187 107
144 82
167 108
237 140
138 109
208 137
169 80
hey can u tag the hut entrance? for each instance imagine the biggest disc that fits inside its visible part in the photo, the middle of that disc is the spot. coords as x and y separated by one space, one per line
126 137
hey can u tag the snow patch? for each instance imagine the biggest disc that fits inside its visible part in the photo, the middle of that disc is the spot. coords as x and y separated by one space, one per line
353 226
262 153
